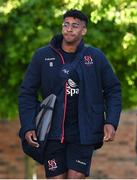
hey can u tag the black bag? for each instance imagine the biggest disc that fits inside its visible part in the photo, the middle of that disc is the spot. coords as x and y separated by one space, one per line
43 123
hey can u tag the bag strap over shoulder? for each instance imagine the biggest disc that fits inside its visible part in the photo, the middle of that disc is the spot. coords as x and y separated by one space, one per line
69 68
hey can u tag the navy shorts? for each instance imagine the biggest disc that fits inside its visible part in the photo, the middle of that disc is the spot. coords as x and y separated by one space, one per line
61 157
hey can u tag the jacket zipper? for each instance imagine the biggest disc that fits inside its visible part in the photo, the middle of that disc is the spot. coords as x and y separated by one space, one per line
65 105
65 98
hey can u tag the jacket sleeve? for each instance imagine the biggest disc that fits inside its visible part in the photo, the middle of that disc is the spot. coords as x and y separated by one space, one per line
111 92
28 103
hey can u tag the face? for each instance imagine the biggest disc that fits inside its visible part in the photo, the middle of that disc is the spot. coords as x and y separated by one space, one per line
73 29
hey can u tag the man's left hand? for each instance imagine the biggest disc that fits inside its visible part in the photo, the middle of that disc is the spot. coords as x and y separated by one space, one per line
109 132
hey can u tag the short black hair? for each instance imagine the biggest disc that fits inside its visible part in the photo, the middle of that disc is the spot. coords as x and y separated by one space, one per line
76 14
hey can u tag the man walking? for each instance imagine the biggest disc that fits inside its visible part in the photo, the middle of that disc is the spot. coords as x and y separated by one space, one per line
87 108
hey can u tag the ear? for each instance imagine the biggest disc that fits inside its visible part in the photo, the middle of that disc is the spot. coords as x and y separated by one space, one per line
84 31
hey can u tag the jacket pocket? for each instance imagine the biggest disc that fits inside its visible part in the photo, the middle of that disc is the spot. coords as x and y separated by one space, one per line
97 118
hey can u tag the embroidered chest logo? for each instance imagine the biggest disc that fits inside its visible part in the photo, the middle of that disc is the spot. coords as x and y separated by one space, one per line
52 165
50 61
88 60
50 64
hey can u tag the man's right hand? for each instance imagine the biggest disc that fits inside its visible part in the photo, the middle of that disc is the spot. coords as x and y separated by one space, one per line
31 138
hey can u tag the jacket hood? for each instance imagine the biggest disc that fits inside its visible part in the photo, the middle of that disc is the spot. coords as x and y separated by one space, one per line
57 40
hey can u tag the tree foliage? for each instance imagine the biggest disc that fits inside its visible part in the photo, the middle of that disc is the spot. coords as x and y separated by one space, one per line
26 25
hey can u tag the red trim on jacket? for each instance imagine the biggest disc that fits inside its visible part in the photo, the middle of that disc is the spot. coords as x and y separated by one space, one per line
65 97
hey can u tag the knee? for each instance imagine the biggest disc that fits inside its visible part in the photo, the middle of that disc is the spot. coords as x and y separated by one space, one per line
75 175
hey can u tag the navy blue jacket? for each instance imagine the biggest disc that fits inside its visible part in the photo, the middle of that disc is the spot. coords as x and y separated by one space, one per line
99 98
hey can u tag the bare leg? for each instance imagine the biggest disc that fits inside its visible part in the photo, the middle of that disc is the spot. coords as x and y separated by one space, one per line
72 174
61 176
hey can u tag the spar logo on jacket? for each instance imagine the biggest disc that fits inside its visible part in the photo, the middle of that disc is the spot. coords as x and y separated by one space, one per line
72 88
